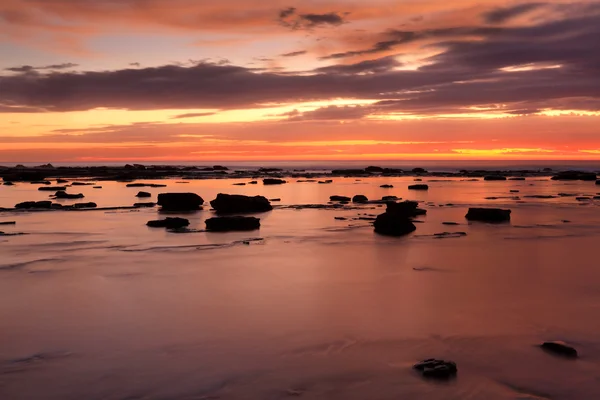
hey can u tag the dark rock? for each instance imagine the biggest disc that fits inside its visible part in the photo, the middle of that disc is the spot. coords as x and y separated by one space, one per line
349 172
583 198
540 196
273 181
269 169
393 225
488 215
8 183
387 186
339 198
437 369
40 182
418 180
234 203
252 183
559 348
390 198
325 181
219 168
25 176
418 187
97 187
34 204
144 205
567 194
340 218
52 188
64 195
598 182
446 235
419 171
360 198
180 201
85 205
8 222
143 194
372 169
152 185
405 209
574 176
450 223
239 184
275 200
514 191
82 184
62 181
227 224
494 178
169 223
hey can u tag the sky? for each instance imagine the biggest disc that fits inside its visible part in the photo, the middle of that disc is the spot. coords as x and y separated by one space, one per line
187 80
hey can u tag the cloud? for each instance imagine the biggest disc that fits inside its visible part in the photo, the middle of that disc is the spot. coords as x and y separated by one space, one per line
336 113
290 18
380 65
29 68
502 15
193 115
294 54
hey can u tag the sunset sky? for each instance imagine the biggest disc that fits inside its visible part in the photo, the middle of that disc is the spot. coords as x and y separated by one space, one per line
169 80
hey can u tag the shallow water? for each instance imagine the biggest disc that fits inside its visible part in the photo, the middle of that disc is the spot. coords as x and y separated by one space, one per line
95 305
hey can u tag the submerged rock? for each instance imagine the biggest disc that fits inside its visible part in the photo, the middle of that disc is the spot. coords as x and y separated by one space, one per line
488 215
143 194
406 209
252 183
82 184
559 348
152 185
85 205
574 176
339 198
393 225
62 181
34 204
418 187
236 203
169 223
419 171
323 182
64 195
180 201
8 183
239 184
390 198
360 198
273 181
97 187
237 223
275 200
52 188
494 178
387 186
8 222
437 369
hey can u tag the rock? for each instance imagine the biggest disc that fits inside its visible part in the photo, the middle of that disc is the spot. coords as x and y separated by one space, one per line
97 187
63 195
252 183
583 198
169 223
540 196
85 205
488 215
598 182
8 183
494 178
180 201
82 184
239 184
52 188
390 198
219 168
514 191
34 204
234 203
386 186
325 182
144 205
275 200
393 225
340 218
360 198
419 171
446 235
227 224
153 185
8 222
273 181
559 348
339 198
418 187
450 223
372 169
437 369
574 176
263 169
143 194
62 181
405 209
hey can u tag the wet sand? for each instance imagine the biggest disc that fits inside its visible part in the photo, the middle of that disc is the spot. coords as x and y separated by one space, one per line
96 305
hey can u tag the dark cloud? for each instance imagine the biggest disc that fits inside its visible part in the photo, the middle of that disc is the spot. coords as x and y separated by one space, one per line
290 18
135 64
502 15
193 115
335 113
29 68
380 65
294 54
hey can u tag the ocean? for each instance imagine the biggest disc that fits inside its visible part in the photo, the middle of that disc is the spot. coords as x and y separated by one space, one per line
95 305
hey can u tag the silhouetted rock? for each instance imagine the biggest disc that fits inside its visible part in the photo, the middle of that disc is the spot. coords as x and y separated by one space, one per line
373 169
144 205
273 181
277 199
437 369
252 183
450 223
574 176
85 205
262 169
180 201
237 223
143 194
583 198
169 223
393 225
51 188
386 186
64 195
360 198
339 198
219 168
418 187
152 185
514 191
8 183
62 181
494 178
8 222
239 184
96 187
235 203
34 204
419 171
82 183
598 182
323 182
559 348
447 235
540 196
488 215
406 209
390 198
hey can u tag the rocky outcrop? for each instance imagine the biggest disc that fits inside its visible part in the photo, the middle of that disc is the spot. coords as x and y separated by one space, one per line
494 178
228 224
360 199
406 209
143 194
85 205
574 176
52 188
488 215
180 201
144 205
82 184
34 204
339 198
560 348
235 203
273 181
393 225
437 369
169 223
419 171
418 187
64 195
386 186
